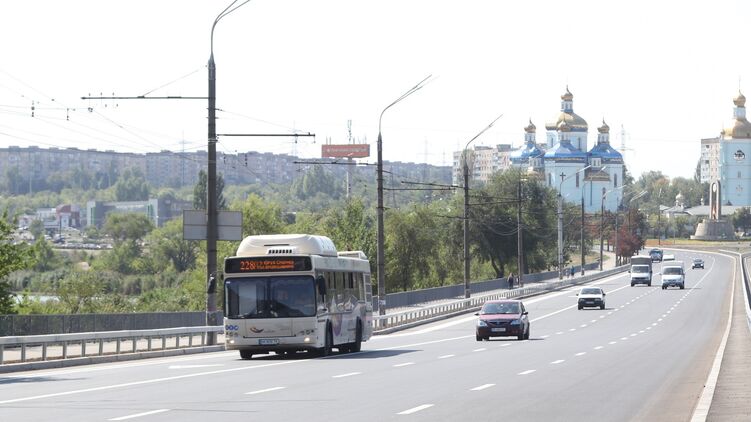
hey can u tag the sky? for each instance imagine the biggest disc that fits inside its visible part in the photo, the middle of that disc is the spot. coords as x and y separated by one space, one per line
663 73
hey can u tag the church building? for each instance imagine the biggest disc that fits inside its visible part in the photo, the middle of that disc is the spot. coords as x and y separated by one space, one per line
565 164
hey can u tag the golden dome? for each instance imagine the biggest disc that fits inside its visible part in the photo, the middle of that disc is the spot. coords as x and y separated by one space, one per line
739 100
574 121
564 127
567 96
531 128
604 128
741 130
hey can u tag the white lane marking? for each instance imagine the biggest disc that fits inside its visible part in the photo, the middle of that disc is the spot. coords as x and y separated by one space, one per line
624 338
598 347
581 354
613 342
641 331
572 329
506 345
399 365
415 409
659 320
348 374
602 316
482 387
545 336
610 313
633 334
593 321
122 365
446 356
481 349
556 362
654 324
559 332
138 415
527 372
265 390
193 366
649 328
149 381
583 326
705 400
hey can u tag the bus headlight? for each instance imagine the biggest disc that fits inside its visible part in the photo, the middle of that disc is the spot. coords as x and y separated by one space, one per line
306 340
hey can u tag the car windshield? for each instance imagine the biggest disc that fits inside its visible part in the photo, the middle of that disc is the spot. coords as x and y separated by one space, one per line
698 261
270 297
500 308
590 291
640 268
671 270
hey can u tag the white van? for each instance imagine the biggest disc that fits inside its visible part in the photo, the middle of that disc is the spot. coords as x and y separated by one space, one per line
673 275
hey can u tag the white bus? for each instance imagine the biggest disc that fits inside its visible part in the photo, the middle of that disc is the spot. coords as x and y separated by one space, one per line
289 293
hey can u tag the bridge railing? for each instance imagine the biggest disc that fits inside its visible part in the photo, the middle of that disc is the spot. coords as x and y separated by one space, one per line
384 324
64 346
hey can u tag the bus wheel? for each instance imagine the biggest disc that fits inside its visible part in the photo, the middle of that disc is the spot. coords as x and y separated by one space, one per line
357 345
245 354
328 343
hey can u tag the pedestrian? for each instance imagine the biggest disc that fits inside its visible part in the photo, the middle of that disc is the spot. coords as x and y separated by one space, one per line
511 281
573 272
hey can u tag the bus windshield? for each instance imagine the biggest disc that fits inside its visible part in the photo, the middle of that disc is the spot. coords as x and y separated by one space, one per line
270 297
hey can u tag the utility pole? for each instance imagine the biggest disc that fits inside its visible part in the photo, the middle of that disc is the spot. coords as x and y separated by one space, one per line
602 225
560 228
466 227
582 232
519 237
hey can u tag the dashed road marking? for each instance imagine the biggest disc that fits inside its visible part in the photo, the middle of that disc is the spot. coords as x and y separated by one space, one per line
556 362
348 374
415 409
138 415
482 387
265 390
446 356
527 372
399 365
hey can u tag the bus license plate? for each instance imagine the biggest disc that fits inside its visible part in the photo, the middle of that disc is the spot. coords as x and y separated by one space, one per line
268 341
498 330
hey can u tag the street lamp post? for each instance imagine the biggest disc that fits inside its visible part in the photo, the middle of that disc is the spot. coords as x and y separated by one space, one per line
560 218
582 223
602 218
380 254
211 200
467 290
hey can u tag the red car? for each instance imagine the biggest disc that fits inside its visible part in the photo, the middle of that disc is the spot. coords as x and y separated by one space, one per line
502 318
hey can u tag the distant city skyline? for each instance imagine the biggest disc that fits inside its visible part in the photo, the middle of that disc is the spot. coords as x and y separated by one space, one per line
297 66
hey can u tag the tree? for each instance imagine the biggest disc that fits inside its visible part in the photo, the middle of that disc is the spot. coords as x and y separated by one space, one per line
742 219
131 186
79 291
261 217
12 257
200 192
127 226
167 245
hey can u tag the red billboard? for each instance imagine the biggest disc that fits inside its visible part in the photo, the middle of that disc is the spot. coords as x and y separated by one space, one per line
345 151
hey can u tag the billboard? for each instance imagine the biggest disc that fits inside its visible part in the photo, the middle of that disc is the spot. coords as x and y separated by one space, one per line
345 151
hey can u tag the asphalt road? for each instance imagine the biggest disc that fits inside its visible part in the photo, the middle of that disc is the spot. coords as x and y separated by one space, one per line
645 357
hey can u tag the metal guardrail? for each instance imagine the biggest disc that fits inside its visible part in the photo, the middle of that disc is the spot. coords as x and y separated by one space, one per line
81 340
746 288
387 323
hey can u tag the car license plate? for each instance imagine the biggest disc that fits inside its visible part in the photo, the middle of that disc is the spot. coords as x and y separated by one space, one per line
268 341
498 330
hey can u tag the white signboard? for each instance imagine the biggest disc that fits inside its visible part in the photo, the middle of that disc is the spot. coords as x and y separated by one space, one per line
229 225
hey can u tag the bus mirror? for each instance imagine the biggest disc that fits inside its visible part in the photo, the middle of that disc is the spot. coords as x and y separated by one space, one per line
321 284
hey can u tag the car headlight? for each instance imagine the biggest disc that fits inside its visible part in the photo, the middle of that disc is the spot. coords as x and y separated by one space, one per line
481 323
516 322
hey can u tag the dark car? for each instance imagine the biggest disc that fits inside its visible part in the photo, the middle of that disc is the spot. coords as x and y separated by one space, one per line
656 255
698 263
502 318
